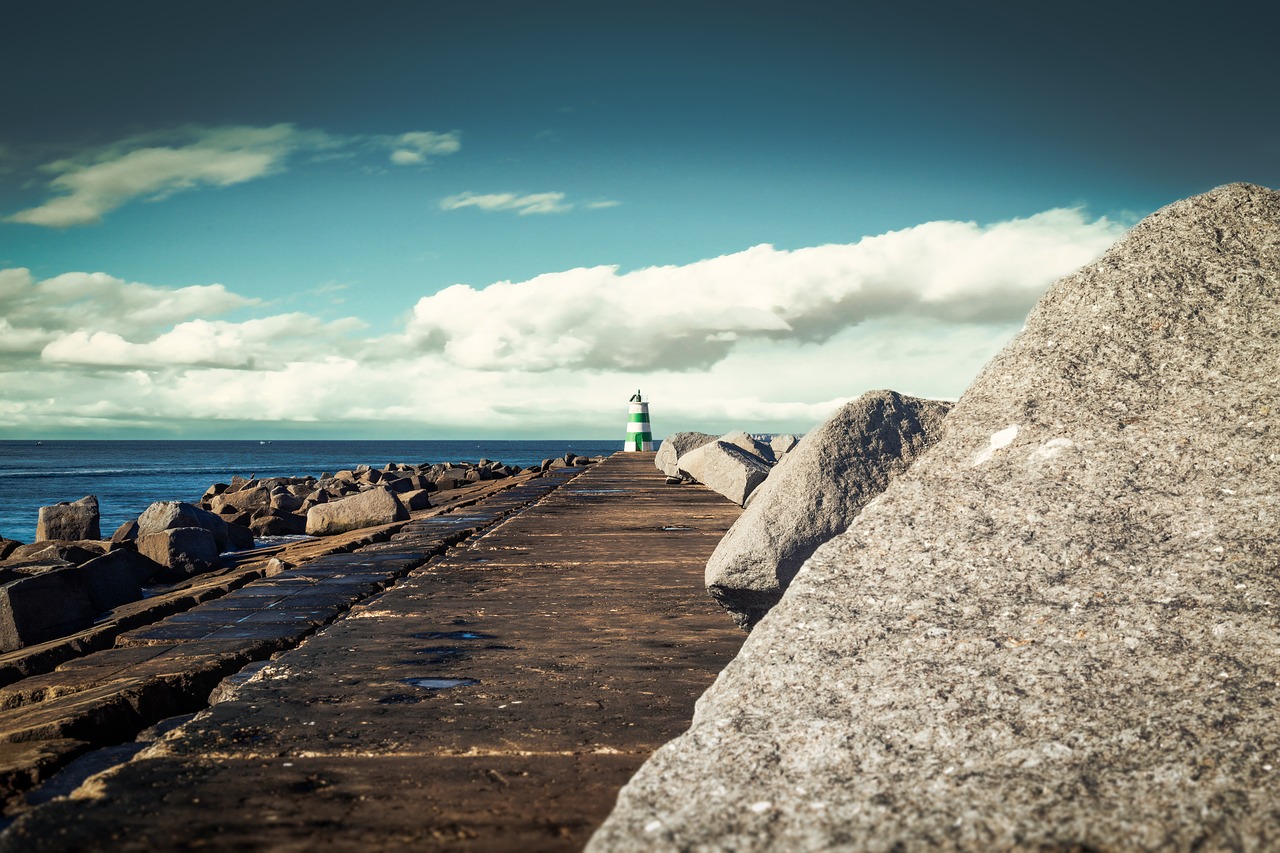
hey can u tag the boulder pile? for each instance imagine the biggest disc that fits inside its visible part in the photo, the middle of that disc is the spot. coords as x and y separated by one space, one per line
58 584
1057 630
734 464
815 493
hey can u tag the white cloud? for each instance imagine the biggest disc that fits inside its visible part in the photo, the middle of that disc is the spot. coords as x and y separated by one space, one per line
522 204
416 147
762 339
156 165
601 205
91 187
690 317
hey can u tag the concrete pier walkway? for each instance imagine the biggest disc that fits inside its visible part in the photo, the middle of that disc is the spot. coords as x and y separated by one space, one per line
495 698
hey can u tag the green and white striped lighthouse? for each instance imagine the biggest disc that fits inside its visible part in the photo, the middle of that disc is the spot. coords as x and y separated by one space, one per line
639 433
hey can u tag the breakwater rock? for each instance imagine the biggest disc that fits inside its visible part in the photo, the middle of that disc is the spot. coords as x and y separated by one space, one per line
815 493
59 584
1058 629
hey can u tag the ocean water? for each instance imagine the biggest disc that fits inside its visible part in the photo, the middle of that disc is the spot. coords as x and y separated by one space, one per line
127 476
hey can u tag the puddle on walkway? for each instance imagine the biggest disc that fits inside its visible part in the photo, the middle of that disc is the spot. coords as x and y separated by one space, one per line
677 528
453 635
439 683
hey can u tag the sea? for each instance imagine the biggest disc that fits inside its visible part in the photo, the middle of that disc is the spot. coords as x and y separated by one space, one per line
127 476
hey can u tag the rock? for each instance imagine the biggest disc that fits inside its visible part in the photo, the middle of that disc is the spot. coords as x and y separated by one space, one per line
752 445
416 500
113 579
239 537
279 524
167 515
76 553
183 551
367 509
43 606
815 493
127 532
1057 630
675 446
7 547
725 468
142 569
781 444
69 521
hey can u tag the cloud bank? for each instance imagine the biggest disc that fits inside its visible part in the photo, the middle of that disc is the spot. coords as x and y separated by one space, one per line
690 317
154 166
762 339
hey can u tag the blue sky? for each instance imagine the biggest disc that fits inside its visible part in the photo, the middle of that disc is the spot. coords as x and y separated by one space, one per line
298 186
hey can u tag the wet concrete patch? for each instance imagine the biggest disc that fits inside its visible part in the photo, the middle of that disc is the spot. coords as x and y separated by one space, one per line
433 683
453 635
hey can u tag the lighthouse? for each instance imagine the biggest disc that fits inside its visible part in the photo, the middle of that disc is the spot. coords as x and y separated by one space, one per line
639 433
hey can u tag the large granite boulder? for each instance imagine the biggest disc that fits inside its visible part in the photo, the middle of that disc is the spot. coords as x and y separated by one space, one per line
168 515
674 446
69 521
377 506
814 493
725 468
1058 629
115 578
43 606
183 551
141 569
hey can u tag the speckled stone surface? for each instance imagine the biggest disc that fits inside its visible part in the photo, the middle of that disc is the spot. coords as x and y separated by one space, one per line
1059 628
814 493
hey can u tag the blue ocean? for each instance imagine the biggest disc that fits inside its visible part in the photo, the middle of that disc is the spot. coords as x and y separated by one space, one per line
127 476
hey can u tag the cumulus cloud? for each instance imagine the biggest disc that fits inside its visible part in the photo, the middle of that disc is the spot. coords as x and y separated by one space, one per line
38 312
763 339
416 147
203 343
521 204
690 317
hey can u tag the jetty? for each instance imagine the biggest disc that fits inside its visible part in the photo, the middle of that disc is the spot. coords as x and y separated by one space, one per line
485 676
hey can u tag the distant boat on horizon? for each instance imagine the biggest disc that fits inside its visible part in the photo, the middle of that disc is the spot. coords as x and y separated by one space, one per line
264 442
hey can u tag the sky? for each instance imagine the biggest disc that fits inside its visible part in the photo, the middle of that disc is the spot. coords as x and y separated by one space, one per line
499 219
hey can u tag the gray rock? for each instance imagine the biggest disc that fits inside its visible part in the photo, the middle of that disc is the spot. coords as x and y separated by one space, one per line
417 499
377 506
752 445
183 551
142 569
43 606
125 533
239 537
168 515
76 553
781 444
279 524
1058 629
674 446
69 521
725 468
815 493
114 579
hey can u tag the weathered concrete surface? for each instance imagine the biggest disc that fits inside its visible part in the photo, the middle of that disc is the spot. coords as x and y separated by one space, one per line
207 628
1058 630
582 621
